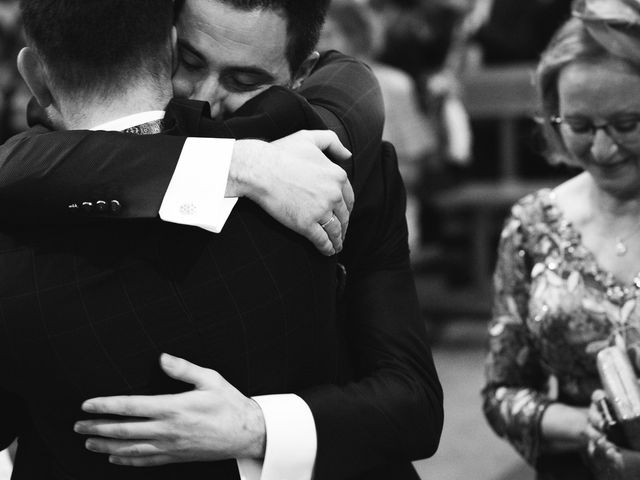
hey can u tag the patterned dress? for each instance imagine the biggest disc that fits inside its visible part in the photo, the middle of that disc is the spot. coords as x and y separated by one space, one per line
554 309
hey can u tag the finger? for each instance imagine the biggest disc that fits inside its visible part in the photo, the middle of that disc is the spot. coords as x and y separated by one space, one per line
342 215
334 232
328 142
593 433
185 371
320 240
348 195
122 430
609 450
602 443
122 448
146 406
150 461
594 417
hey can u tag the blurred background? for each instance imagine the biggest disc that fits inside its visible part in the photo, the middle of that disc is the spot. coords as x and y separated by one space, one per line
456 76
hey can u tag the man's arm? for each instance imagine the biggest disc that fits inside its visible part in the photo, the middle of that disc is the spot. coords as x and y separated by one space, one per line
42 173
391 411
61 176
14 417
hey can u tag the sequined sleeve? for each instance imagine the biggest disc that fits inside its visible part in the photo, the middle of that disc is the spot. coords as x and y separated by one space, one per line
513 395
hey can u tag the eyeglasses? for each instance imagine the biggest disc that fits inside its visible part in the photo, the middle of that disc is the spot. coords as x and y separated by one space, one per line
623 129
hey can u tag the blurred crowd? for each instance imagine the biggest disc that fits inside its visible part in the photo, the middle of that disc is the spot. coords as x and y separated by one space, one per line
419 50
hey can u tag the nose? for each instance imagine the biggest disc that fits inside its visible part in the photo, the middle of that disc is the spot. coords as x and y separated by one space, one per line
209 90
602 146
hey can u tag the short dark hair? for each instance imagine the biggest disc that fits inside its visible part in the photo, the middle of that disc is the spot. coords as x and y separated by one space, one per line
99 46
304 22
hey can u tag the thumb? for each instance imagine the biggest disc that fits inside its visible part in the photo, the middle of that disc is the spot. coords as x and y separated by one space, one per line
184 371
328 142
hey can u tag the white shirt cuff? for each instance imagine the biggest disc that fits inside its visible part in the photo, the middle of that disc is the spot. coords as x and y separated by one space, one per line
195 195
291 441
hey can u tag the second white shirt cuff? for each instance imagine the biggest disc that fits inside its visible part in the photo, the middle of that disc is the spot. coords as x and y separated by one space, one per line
291 441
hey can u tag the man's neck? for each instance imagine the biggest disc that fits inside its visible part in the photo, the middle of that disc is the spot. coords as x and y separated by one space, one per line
93 113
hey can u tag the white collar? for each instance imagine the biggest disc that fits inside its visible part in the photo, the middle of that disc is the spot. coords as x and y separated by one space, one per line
131 121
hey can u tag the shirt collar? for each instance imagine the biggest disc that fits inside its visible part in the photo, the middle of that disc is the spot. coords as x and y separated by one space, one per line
131 121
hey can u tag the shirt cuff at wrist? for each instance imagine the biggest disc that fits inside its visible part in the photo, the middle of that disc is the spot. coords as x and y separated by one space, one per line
195 195
291 441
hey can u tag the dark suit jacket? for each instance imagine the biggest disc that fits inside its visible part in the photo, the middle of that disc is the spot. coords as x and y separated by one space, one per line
386 408
86 310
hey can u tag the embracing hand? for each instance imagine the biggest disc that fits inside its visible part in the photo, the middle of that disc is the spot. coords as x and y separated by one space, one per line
294 181
214 421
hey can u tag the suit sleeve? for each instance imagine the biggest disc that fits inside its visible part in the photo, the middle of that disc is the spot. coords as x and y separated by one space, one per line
43 172
345 93
13 415
392 410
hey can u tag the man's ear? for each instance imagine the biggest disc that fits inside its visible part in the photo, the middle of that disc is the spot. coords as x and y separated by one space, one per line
174 50
304 70
32 71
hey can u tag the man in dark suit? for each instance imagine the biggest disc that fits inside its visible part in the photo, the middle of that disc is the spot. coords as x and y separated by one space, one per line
388 370
99 303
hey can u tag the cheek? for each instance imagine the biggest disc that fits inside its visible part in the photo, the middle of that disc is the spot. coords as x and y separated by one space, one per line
183 84
579 152
633 149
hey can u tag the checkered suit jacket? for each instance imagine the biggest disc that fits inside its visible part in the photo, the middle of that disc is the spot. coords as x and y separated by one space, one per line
86 311
386 407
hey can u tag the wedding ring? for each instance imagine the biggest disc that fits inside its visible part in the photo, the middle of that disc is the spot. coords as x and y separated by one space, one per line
325 224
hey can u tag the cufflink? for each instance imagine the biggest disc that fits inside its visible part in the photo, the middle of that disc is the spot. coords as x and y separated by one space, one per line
101 206
188 209
87 206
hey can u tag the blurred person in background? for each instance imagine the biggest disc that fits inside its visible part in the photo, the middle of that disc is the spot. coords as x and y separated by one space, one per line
514 33
412 48
351 29
567 281
428 40
14 94
519 31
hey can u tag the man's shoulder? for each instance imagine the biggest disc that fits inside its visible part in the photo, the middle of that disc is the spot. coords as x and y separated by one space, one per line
28 133
335 57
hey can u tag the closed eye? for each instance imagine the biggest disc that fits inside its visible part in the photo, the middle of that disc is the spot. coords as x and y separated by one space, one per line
188 59
578 125
625 125
245 81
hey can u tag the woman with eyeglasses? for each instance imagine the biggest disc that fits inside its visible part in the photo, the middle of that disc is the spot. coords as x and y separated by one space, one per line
567 280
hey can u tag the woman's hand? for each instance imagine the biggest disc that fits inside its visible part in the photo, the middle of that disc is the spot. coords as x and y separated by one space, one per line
564 428
606 459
